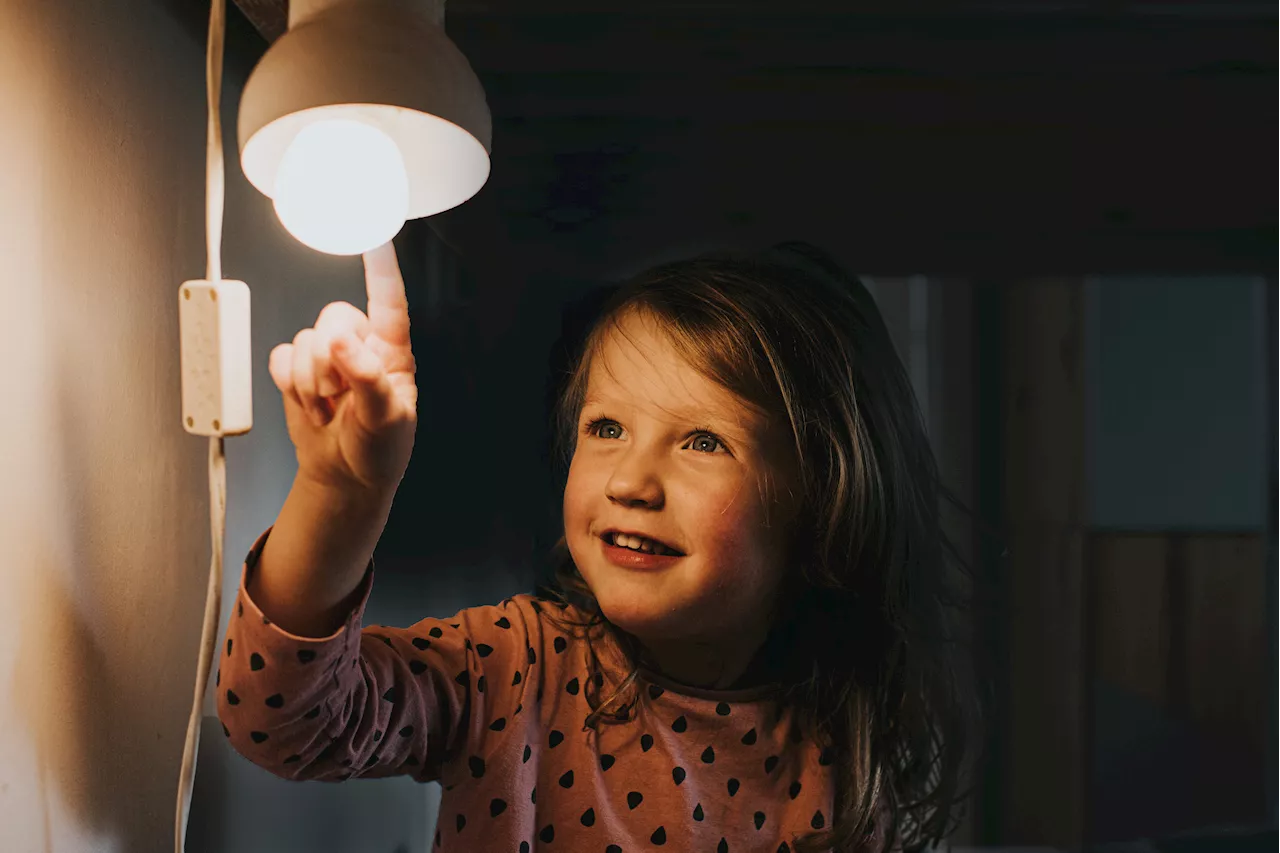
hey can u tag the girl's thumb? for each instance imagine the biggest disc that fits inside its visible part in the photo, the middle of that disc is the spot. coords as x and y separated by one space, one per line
370 389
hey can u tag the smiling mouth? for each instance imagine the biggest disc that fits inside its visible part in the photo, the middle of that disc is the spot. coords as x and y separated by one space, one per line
646 546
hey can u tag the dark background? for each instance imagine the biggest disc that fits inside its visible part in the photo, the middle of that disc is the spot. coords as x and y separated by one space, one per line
1067 213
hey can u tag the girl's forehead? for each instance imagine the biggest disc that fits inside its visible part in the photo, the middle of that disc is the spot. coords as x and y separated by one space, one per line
641 367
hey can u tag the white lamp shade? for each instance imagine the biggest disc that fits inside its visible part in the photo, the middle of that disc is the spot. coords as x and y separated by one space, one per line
383 63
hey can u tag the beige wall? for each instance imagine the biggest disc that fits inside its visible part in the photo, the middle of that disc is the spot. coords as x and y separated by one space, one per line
104 542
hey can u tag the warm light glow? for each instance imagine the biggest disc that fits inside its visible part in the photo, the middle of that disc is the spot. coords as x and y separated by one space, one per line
342 187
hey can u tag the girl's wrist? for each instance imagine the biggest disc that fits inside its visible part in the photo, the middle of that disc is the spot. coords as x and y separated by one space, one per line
351 502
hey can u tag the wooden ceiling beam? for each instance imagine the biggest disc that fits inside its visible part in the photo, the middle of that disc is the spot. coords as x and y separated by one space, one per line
594 45
269 17
738 9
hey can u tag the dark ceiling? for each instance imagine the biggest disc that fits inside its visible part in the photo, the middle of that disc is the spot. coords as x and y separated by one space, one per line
972 138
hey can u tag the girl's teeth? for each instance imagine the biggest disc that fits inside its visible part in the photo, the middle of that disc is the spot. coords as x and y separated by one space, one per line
635 543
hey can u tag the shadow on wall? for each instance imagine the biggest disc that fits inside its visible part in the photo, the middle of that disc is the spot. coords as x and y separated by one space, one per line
102 494
104 498
238 807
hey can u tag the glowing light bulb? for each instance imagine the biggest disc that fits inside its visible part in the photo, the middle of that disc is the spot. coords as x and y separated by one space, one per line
341 187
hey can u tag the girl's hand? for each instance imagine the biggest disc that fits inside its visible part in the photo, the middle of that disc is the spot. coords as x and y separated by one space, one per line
349 390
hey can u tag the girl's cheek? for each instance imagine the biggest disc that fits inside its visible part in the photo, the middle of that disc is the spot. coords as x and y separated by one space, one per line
728 507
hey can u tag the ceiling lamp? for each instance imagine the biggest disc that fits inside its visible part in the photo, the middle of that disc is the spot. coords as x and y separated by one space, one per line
363 115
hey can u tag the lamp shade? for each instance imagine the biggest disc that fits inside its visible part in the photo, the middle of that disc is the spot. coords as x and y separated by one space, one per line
384 64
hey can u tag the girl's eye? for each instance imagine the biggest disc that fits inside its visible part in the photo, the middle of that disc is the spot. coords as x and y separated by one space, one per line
596 426
592 428
707 437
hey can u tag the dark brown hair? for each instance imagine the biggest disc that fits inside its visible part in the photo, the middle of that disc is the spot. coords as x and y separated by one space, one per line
879 668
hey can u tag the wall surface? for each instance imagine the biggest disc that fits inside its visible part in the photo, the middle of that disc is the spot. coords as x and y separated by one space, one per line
1180 486
104 531
1176 411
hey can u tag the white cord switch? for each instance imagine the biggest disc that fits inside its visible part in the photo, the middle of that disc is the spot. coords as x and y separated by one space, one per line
217 376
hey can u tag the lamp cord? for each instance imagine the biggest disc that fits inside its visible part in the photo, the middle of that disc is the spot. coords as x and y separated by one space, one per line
214 189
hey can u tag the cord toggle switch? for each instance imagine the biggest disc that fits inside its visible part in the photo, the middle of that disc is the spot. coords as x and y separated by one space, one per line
217 386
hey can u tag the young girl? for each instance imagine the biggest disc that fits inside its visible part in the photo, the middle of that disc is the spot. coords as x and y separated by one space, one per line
750 642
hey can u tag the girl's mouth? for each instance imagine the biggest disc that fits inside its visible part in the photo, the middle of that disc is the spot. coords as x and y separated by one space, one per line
639 543
629 558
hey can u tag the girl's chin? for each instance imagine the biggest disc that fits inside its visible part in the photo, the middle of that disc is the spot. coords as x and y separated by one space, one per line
638 613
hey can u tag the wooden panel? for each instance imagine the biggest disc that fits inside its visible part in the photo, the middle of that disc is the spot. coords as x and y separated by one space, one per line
1182 649
1227 677
1180 619
1043 401
1130 611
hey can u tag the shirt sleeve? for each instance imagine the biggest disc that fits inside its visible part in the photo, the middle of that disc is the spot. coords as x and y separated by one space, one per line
378 701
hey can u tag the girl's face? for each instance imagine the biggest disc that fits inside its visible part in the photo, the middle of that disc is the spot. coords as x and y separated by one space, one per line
680 458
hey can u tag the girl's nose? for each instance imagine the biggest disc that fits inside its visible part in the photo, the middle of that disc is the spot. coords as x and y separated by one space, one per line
634 484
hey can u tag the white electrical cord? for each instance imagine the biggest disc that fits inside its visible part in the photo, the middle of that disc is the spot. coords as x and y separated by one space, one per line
214 187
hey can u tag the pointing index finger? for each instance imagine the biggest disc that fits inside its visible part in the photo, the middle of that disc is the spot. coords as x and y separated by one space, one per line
388 306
